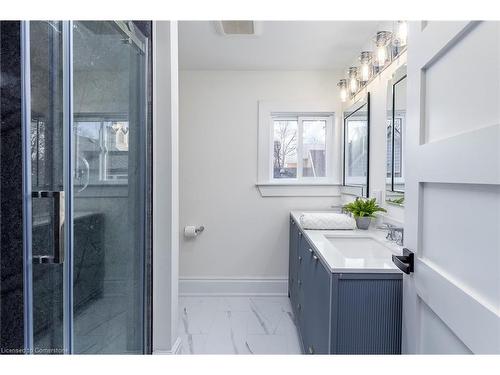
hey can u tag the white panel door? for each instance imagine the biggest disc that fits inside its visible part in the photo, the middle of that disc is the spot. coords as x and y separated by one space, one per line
452 208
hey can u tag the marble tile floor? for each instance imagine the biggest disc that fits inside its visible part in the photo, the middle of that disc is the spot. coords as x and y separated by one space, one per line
99 328
237 325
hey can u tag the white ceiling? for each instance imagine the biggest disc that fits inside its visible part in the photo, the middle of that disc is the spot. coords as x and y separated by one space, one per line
282 45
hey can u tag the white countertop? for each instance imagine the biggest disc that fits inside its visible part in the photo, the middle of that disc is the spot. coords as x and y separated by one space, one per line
338 262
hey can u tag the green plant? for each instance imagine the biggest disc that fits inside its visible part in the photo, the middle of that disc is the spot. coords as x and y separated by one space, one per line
364 207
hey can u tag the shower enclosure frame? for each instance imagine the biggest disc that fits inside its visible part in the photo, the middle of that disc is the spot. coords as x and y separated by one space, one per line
68 184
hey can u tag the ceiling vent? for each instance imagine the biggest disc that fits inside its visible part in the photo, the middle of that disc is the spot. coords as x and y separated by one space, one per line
243 28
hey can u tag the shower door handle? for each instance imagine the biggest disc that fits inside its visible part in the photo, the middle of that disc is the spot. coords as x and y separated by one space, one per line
58 229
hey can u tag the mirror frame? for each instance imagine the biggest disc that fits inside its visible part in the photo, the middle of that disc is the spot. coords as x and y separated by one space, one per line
393 117
357 106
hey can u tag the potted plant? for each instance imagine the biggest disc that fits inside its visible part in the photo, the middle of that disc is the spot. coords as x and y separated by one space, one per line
363 210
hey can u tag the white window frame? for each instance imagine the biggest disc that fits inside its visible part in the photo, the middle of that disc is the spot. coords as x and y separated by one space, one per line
299 186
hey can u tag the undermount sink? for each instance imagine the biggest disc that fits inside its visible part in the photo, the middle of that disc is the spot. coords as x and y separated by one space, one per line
359 247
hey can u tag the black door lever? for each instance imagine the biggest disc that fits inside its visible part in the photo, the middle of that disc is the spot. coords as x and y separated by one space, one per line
404 262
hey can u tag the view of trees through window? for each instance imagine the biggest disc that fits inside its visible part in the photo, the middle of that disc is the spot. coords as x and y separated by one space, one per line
299 147
285 148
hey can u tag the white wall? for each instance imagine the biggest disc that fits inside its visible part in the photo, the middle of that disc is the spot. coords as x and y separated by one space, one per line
165 187
246 235
378 118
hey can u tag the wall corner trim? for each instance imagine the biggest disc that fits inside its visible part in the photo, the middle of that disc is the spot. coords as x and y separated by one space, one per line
176 348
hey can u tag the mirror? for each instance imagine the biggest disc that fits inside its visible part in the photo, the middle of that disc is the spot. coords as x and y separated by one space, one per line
396 127
357 148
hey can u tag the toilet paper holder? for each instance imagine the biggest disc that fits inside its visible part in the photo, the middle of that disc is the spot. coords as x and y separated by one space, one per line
199 229
191 231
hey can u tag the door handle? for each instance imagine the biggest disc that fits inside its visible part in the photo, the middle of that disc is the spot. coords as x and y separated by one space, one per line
405 262
58 228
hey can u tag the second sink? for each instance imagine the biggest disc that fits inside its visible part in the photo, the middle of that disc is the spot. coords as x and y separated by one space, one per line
359 247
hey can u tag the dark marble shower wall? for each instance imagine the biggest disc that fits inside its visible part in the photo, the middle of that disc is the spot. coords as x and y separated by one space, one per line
11 226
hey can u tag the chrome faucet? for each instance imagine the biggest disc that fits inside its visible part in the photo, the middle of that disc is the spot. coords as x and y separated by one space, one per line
394 233
398 238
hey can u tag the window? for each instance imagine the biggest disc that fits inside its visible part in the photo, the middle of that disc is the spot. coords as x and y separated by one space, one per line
297 153
285 148
396 118
356 150
300 147
101 149
356 146
398 148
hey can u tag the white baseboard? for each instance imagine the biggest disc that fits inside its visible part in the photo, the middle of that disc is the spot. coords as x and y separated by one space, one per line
233 286
176 348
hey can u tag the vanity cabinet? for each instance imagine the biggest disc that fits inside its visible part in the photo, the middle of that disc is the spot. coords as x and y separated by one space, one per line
315 286
342 313
293 263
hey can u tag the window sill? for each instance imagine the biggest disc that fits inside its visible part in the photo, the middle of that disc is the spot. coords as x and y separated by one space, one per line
298 189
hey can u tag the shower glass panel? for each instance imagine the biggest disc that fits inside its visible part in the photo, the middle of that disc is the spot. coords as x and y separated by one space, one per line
87 134
47 153
109 135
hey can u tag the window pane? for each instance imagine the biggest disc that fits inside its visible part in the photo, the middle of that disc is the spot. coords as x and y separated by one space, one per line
356 151
388 179
88 151
399 134
285 149
398 148
314 148
116 165
102 151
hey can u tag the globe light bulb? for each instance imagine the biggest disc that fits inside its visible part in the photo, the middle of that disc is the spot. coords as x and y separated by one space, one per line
353 84
382 40
353 80
343 90
343 94
402 32
366 66
381 55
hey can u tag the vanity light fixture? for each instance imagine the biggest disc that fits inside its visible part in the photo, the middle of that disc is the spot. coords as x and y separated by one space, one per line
382 51
400 37
401 28
366 66
388 45
353 80
343 89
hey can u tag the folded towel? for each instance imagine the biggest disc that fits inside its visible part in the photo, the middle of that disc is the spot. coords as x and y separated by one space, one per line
327 221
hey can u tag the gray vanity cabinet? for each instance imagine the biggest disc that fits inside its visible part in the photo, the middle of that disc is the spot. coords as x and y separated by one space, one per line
317 283
342 313
312 298
293 263
303 284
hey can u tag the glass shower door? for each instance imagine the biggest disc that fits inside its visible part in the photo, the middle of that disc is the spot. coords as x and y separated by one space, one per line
47 185
109 135
88 146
